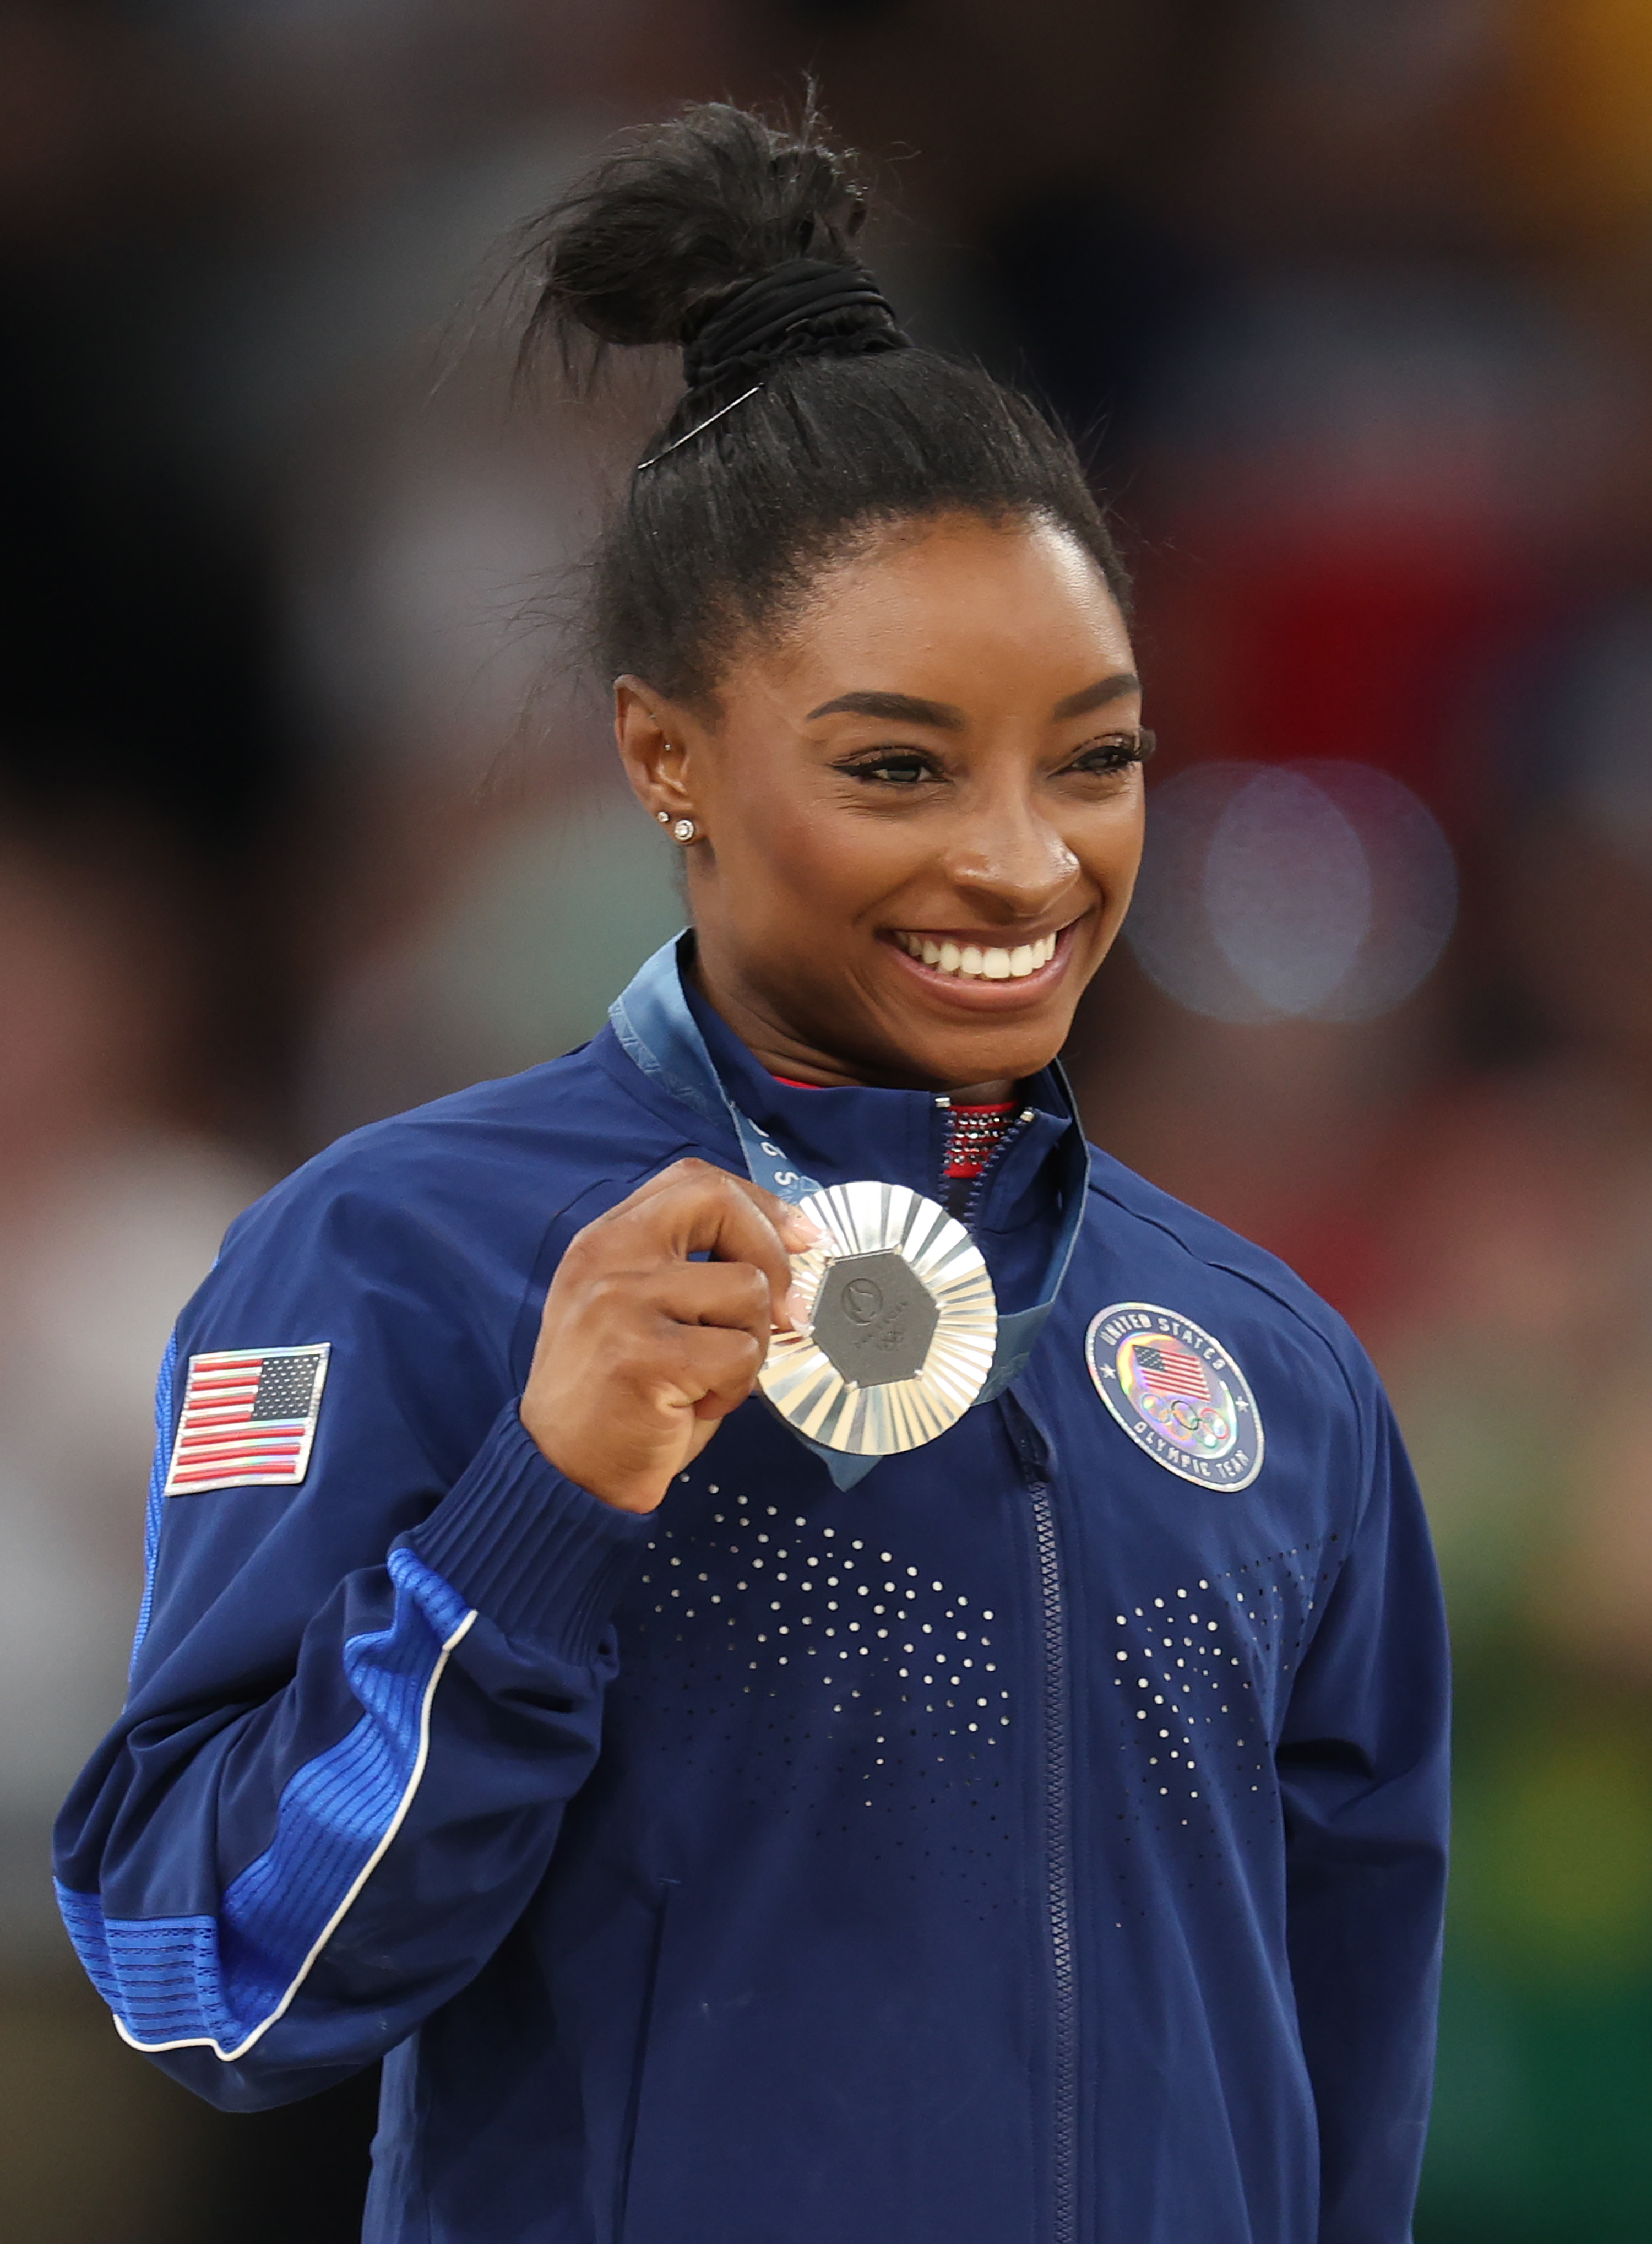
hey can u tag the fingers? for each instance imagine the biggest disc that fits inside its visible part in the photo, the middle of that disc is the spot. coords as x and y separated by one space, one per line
642 1351
733 1295
708 1370
799 1229
694 1208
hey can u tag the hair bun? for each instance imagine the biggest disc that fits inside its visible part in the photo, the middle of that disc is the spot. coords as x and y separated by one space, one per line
807 423
718 231
795 310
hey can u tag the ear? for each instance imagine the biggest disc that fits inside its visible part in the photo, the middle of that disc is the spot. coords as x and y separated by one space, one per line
652 735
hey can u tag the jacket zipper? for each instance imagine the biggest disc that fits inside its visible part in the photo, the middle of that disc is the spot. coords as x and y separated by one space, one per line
1058 1862
1057 1804
972 1199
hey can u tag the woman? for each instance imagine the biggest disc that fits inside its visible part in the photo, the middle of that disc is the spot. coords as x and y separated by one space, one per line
781 1717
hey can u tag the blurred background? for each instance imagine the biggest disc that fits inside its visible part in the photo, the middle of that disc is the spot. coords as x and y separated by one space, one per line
305 815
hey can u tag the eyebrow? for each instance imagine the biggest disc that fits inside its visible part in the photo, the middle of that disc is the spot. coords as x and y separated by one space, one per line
1094 697
908 709
895 708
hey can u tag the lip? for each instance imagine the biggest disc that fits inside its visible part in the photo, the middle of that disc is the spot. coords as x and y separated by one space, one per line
974 992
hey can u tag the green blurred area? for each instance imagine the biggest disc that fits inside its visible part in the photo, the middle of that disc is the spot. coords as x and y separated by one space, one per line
1542 2120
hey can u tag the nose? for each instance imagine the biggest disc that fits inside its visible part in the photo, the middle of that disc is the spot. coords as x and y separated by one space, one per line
1009 860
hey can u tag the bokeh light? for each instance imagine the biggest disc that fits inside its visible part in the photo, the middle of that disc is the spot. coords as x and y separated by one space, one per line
1313 891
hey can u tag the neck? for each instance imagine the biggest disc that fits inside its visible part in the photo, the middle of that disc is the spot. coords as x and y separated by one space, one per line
982 1094
779 1048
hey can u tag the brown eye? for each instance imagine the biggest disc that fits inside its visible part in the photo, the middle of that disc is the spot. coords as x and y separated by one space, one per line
894 768
1116 753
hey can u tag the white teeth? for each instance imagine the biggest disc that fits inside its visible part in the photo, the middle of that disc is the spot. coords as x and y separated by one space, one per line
978 961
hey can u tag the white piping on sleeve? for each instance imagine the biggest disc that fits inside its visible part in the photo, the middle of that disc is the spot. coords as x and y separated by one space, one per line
229 2056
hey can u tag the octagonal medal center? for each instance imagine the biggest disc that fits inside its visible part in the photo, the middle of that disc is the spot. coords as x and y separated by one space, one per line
874 1319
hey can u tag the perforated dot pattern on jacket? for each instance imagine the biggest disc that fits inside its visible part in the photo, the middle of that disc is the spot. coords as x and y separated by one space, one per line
828 1673
1200 1673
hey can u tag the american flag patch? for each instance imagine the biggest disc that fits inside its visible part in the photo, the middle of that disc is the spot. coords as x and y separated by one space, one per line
1165 1369
248 1419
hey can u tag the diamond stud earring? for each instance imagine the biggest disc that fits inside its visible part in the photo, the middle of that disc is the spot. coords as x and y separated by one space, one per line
683 830
663 816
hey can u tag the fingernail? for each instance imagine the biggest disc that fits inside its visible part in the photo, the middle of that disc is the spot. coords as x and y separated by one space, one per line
806 1227
797 1308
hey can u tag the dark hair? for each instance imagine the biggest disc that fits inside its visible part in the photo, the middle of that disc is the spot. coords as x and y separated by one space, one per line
851 428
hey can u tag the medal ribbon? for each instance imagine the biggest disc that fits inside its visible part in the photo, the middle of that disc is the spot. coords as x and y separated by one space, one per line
660 1036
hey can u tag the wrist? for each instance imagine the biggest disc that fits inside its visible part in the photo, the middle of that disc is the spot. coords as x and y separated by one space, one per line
536 1553
636 1491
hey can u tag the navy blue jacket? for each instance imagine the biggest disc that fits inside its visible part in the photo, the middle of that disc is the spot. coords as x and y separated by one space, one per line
1036 1843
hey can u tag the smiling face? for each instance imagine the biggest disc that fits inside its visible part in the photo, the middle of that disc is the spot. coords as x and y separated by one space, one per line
919 811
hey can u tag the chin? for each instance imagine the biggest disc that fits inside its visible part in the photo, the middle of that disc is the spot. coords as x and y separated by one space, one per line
992 1059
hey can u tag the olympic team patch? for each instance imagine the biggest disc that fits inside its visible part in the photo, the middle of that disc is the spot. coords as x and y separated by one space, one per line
1176 1392
248 1419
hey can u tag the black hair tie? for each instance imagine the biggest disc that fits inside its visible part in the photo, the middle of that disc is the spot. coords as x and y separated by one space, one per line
775 316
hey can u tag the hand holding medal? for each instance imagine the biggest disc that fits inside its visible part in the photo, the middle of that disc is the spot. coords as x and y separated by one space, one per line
642 1351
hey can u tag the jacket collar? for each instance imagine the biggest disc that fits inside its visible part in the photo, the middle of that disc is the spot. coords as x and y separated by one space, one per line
837 1136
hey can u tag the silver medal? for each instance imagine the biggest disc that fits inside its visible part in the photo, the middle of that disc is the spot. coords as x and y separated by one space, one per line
902 1324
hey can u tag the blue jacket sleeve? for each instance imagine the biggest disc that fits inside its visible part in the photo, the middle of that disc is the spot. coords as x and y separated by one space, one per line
358 1706
1363 1764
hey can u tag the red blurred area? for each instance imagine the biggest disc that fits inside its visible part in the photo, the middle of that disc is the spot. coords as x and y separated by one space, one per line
1377 649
